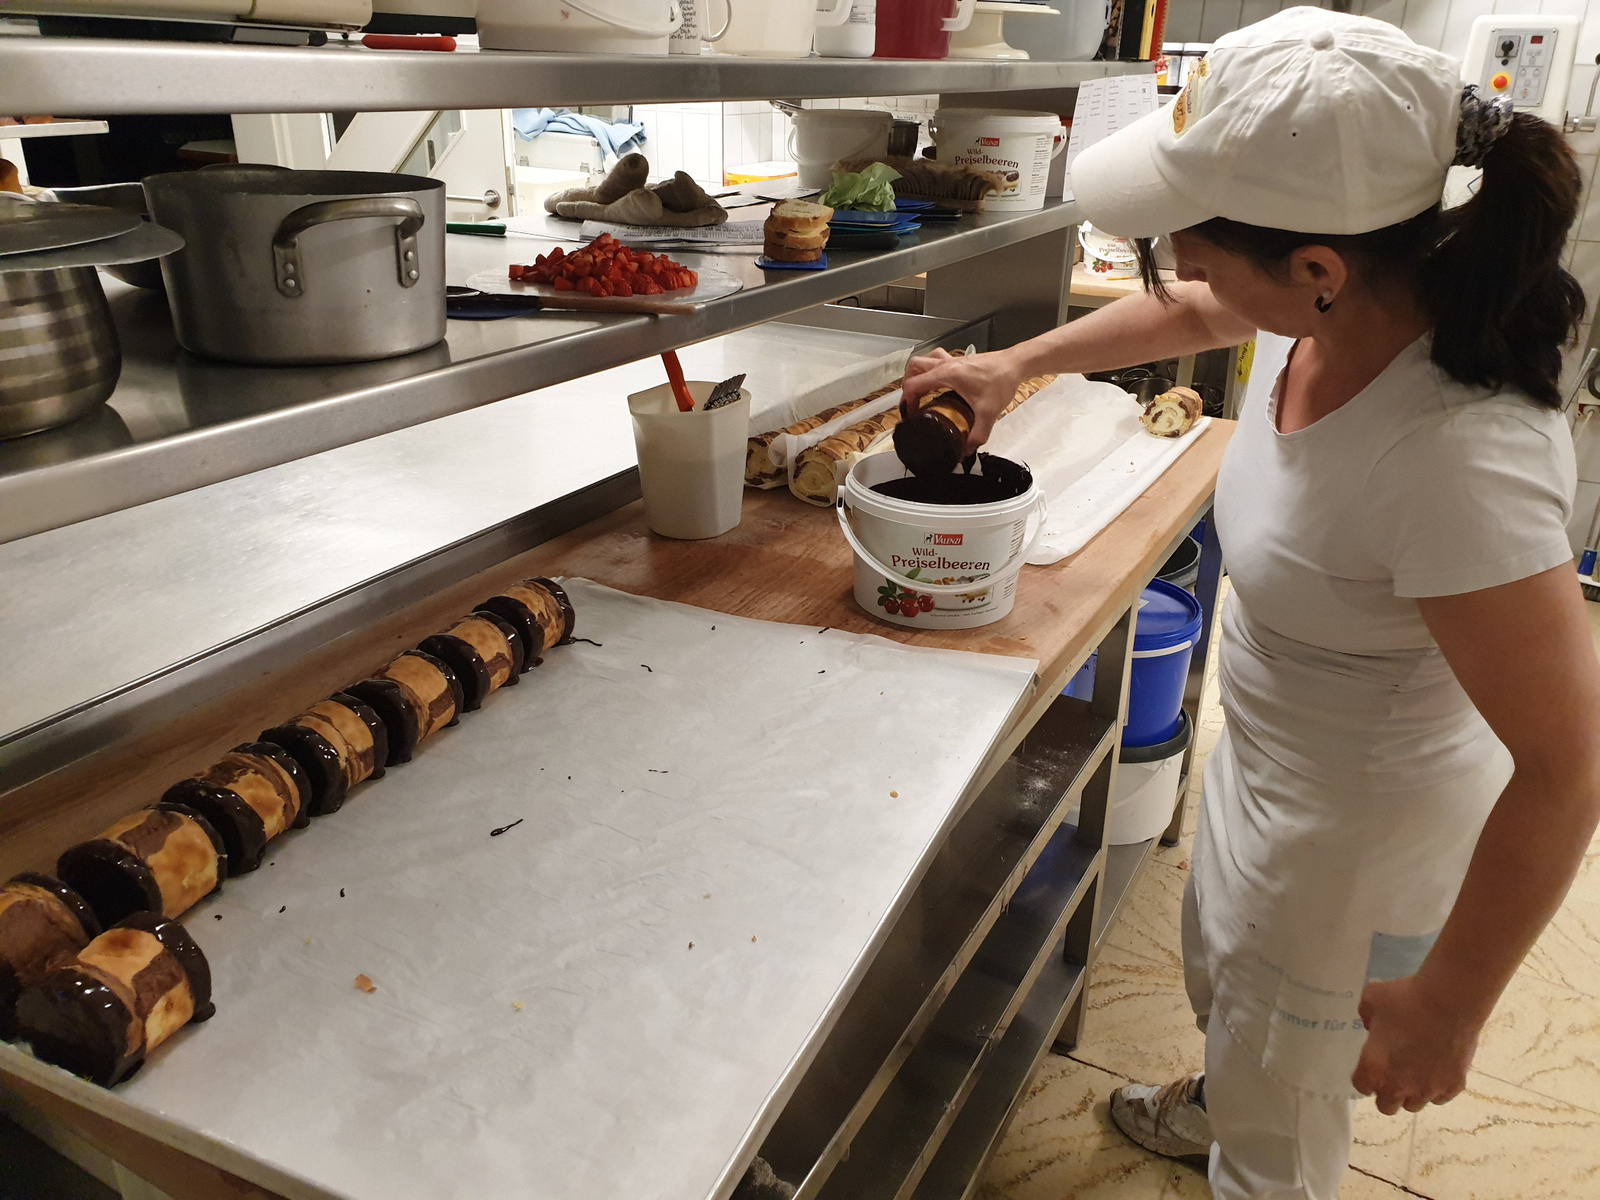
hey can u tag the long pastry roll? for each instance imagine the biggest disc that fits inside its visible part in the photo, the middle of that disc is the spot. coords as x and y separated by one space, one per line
759 469
816 471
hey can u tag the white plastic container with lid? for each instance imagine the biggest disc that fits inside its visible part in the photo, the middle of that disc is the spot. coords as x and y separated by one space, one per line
820 137
780 28
578 26
1014 147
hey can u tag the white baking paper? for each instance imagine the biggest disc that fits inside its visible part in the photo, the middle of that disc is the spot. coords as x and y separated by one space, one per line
1090 455
603 1002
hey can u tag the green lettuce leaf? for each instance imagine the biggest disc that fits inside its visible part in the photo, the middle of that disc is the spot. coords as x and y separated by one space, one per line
870 190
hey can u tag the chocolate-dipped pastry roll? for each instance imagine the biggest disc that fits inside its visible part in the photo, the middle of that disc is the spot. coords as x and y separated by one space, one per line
375 729
415 696
479 652
41 920
160 860
541 612
334 747
251 795
99 1014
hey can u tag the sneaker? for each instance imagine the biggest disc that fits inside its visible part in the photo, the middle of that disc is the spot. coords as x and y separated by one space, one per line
1169 1120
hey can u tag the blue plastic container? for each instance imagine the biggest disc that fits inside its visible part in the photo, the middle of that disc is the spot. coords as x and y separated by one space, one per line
1081 686
1164 636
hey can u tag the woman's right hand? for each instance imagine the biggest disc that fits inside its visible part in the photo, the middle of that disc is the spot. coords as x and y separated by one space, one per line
987 382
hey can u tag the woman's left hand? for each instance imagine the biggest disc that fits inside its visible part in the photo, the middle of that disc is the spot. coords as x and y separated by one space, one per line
1417 1051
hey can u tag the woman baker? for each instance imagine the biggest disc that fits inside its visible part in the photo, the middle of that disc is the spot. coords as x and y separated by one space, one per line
1410 769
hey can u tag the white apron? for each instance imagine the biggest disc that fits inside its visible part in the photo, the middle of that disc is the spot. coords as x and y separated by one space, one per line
1345 799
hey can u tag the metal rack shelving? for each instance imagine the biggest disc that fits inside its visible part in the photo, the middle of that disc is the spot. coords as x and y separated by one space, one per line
104 77
218 421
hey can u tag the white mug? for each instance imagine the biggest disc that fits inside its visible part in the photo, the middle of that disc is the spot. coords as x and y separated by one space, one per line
856 38
692 35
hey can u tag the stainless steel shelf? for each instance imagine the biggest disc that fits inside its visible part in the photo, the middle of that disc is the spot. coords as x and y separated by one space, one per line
957 1170
1123 866
101 77
906 1129
960 901
178 421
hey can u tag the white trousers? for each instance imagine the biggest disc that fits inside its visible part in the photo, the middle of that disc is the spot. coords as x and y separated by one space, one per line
1271 1142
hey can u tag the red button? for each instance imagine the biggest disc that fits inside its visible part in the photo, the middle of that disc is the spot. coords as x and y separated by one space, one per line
1500 82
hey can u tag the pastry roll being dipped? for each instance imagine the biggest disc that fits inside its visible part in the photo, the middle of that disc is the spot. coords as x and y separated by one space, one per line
162 860
102 1012
251 795
335 746
415 696
41 920
539 610
484 651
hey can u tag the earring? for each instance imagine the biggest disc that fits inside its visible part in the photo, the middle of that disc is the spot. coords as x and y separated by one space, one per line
1324 302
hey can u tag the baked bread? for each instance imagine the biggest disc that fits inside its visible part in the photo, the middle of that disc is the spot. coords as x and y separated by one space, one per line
759 469
796 231
1172 414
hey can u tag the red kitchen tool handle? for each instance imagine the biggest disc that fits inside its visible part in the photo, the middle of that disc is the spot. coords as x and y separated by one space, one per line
680 389
395 41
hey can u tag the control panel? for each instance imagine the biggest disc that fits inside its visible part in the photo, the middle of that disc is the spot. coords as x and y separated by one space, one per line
1528 58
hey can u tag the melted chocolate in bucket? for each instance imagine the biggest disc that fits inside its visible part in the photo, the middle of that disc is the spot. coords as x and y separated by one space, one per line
1002 479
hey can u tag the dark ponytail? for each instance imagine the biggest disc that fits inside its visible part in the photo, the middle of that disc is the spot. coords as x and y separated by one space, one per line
1502 306
1488 273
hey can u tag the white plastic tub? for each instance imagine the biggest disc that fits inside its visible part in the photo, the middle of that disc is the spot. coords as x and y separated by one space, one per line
820 137
1146 792
934 566
578 26
1016 147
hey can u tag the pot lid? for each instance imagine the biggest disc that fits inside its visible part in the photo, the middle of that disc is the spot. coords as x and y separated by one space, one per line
28 226
145 241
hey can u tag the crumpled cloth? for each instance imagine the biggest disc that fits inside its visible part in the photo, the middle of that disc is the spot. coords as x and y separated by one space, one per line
616 139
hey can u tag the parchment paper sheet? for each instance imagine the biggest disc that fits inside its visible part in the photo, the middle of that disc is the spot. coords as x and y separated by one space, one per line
698 778
1090 455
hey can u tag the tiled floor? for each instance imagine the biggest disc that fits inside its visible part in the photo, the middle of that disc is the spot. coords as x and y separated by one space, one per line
1528 1127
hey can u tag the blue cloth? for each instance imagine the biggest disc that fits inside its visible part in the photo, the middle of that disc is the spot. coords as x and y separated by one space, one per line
623 137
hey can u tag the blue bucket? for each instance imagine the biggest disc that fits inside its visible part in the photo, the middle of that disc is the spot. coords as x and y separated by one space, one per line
1164 636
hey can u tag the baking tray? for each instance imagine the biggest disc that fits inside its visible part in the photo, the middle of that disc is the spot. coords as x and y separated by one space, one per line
613 998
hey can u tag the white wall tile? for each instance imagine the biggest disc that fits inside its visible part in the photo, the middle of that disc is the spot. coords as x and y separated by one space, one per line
1392 11
1220 17
1458 25
1589 34
780 137
1425 21
1516 7
1183 20
1585 269
1582 512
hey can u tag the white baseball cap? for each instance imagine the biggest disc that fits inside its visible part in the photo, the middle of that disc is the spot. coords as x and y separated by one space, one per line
1309 121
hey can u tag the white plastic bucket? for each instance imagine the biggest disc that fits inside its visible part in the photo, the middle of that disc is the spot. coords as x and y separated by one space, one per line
779 28
820 137
691 464
956 564
1147 790
578 26
1015 146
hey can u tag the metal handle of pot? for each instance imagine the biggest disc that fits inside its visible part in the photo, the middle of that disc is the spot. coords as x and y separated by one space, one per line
287 267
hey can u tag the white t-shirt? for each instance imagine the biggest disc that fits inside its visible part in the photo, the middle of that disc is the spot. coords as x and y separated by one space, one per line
1418 486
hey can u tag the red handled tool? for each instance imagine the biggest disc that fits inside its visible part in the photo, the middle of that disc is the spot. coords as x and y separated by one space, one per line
680 389
394 41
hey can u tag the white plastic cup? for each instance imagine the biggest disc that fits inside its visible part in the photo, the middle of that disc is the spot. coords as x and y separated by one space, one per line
780 28
691 36
691 464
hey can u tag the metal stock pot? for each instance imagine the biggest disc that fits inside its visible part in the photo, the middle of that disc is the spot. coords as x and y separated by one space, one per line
302 267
